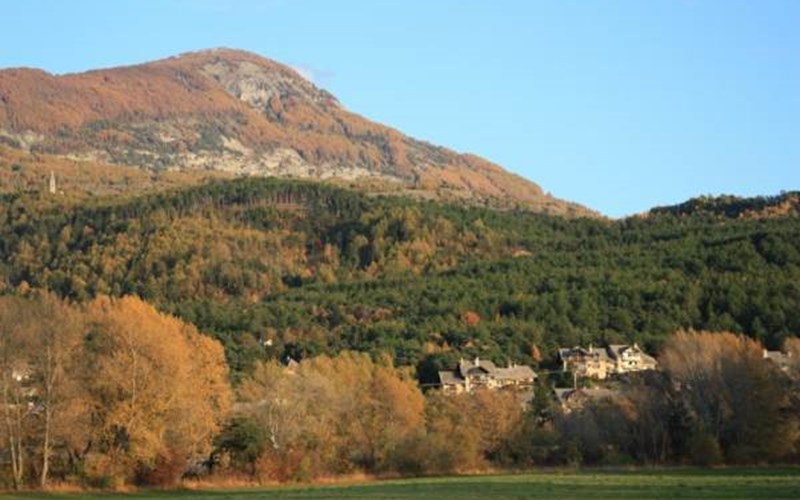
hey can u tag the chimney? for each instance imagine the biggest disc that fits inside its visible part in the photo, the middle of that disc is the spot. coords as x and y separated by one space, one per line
477 361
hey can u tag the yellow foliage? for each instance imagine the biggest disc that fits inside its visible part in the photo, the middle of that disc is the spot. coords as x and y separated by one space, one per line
155 383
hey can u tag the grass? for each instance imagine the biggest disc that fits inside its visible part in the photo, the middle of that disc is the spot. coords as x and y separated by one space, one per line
639 484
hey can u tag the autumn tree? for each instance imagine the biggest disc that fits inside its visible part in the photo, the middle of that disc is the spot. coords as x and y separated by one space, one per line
39 339
156 388
330 414
734 395
464 431
14 375
55 341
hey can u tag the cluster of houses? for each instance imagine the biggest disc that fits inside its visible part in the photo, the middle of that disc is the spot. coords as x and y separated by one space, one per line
586 363
615 359
592 363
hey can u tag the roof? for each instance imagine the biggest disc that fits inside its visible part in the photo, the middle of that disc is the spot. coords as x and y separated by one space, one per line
481 364
615 350
515 372
566 353
450 377
518 373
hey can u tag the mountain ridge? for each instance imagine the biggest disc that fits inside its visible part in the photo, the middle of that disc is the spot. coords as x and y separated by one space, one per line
234 111
784 204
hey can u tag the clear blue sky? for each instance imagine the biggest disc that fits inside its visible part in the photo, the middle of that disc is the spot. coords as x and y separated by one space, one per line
619 105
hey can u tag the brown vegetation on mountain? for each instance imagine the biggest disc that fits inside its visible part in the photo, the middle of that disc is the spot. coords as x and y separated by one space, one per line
22 171
238 112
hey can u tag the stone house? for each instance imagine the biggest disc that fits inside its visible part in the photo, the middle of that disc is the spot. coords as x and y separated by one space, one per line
628 359
587 363
599 363
471 375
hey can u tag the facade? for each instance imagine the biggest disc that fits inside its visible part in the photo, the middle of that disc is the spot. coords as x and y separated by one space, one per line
600 363
627 358
472 375
588 363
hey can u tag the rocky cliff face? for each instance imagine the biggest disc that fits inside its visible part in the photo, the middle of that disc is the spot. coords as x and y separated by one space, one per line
233 111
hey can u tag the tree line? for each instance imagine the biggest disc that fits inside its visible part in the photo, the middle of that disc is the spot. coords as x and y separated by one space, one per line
113 393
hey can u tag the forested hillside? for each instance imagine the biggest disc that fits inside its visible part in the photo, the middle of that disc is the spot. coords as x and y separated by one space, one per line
287 267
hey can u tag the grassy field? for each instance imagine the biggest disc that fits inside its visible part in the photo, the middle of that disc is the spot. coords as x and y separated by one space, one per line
642 484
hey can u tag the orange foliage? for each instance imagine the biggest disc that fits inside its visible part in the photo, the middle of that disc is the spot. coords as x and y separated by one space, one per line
155 379
103 109
470 318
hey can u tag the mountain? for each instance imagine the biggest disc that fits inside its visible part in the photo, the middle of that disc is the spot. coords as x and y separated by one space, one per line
236 112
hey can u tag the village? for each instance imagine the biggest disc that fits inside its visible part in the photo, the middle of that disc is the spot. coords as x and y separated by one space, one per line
597 373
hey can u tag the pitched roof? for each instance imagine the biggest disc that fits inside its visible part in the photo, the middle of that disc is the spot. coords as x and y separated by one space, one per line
482 364
566 353
515 372
616 350
450 377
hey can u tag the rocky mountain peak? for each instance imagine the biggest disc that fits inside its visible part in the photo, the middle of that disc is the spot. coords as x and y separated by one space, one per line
237 112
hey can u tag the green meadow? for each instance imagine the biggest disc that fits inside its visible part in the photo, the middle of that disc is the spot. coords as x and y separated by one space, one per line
639 484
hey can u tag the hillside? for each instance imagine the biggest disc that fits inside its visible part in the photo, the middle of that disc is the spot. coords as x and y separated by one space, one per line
318 269
232 111
758 207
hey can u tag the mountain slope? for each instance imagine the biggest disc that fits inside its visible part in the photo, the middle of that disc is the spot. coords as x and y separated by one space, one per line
318 269
234 111
786 204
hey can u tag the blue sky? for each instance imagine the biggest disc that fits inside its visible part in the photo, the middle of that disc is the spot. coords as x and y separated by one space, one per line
619 105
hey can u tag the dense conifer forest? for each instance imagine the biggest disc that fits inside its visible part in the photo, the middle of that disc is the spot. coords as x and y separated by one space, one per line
274 268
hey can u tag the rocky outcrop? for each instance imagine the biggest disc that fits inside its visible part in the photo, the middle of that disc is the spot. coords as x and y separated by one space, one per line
237 112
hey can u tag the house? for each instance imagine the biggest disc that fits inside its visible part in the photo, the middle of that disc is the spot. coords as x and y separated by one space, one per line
471 375
575 399
782 360
600 363
630 358
589 363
